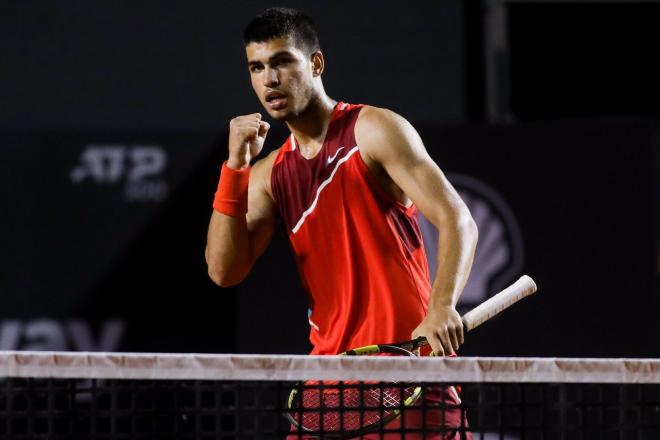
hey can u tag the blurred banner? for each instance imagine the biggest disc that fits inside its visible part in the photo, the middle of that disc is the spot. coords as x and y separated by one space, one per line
103 243
100 249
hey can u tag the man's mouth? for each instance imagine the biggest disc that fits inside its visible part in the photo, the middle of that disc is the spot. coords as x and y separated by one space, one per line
276 100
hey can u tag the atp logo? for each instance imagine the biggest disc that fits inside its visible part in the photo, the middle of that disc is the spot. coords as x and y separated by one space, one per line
499 257
139 168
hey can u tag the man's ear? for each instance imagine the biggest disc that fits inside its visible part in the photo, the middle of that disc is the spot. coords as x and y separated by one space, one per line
318 63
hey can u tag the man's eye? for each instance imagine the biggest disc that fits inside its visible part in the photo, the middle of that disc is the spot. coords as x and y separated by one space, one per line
256 69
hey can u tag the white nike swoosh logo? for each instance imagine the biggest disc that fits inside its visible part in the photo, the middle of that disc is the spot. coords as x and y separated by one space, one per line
332 158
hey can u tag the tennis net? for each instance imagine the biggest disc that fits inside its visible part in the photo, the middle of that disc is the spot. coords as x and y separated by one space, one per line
61 395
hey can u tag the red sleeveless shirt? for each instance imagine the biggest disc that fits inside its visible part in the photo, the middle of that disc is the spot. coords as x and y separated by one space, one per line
360 253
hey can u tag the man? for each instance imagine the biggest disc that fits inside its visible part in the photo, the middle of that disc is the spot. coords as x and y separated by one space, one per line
347 185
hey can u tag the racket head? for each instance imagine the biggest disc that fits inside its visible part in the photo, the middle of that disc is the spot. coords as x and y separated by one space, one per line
342 409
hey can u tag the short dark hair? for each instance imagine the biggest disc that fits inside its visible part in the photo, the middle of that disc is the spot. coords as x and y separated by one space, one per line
283 22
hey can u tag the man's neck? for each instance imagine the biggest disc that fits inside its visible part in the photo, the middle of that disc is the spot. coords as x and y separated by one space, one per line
310 128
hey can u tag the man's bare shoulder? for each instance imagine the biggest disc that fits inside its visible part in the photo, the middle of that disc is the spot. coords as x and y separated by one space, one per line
371 118
377 128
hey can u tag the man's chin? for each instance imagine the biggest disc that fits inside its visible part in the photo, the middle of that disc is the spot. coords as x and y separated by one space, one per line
280 115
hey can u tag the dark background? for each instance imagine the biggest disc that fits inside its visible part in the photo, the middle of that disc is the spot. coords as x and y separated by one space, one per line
110 260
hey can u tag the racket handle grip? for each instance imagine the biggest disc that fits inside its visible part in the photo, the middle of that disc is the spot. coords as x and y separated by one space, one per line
525 286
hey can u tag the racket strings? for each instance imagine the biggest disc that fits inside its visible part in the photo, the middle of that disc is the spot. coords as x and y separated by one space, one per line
350 406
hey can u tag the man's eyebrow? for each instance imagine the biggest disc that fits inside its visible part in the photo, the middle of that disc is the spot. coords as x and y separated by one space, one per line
282 53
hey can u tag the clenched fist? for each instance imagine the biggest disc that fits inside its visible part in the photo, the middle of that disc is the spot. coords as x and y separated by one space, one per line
246 139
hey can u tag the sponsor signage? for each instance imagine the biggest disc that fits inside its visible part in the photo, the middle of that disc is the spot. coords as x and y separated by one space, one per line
138 168
55 335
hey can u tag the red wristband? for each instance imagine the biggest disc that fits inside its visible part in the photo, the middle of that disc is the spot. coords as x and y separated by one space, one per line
231 198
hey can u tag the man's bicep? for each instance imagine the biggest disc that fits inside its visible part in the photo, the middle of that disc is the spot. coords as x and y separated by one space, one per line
397 147
262 215
428 187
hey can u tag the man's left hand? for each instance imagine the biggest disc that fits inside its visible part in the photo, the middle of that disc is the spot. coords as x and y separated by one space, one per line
443 329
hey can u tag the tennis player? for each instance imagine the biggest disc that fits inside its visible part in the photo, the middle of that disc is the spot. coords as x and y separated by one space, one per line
347 184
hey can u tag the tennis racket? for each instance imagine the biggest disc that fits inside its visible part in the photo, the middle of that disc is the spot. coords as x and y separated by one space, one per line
344 409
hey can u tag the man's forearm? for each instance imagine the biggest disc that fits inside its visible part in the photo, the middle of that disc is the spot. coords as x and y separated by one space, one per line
227 249
456 248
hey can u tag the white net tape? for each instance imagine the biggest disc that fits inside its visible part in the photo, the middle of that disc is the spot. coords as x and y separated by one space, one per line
294 368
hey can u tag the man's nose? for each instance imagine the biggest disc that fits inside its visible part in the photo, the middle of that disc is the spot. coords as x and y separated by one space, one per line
271 77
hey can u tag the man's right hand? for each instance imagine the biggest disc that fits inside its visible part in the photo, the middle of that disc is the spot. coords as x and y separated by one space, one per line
246 139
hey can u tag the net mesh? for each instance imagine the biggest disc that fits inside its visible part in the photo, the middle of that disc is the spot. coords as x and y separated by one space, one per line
63 396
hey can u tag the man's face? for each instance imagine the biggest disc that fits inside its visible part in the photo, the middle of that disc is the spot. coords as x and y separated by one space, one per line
281 76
